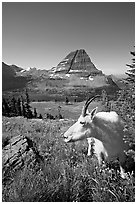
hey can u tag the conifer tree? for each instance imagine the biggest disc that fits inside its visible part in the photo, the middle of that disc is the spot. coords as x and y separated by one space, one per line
19 107
131 71
66 100
28 107
5 108
27 97
23 109
35 113
13 107
40 116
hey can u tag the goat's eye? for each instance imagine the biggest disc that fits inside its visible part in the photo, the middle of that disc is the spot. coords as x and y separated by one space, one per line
82 123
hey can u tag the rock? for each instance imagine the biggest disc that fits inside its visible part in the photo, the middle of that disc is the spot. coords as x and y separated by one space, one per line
76 63
19 152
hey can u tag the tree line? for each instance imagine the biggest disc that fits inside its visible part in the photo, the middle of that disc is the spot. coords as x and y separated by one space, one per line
19 107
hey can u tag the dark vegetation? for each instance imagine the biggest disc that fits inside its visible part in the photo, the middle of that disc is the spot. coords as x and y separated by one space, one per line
78 94
18 107
21 107
10 80
66 174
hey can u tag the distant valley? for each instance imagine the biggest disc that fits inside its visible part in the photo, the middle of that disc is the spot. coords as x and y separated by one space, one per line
75 77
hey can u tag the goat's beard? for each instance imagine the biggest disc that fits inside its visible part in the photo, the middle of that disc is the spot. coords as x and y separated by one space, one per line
67 140
76 138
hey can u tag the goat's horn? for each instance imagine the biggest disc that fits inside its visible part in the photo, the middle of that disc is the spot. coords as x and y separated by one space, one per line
84 110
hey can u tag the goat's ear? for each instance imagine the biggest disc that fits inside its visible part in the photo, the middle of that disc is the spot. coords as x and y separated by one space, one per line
93 112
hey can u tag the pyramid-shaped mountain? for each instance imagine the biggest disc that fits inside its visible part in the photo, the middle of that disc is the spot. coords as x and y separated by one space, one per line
77 62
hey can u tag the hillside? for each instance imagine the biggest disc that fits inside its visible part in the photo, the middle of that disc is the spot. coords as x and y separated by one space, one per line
10 80
43 168
119 80
75 77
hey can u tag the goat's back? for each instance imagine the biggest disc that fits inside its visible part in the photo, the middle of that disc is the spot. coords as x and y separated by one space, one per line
108 128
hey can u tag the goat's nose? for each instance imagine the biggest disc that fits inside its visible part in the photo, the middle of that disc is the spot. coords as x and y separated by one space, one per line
63 135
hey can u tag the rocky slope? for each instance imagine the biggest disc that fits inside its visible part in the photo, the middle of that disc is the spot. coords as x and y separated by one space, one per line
76 63
17 153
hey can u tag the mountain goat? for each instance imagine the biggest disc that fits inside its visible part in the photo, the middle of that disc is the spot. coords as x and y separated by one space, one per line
105 128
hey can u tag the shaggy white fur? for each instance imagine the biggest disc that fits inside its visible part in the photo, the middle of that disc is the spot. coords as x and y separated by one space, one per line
108 116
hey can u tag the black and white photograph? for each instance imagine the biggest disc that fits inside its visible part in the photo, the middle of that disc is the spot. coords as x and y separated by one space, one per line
68 101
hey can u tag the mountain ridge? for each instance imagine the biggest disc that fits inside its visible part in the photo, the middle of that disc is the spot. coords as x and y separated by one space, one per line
75 76
76 62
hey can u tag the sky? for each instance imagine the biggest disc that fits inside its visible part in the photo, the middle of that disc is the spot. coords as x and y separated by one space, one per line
41 34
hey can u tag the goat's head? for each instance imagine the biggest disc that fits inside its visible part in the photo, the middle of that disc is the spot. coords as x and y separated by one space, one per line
82 128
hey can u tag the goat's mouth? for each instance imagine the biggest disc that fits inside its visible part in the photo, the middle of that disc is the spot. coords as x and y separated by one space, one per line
67 139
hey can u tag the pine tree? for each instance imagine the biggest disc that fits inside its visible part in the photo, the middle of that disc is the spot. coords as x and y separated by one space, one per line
35 113
131 72
67 100
19 112
12 107
5 108
27 97
28 107
40 116
23 109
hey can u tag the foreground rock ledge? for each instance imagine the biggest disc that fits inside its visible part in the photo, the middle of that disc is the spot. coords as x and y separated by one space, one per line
19 152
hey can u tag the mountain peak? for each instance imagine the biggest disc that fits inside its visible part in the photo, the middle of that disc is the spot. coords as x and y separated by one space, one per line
77 63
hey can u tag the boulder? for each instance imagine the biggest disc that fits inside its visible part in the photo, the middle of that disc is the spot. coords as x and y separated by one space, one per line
19 152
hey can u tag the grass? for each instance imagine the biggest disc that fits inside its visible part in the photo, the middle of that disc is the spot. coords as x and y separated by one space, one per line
66 174
70 111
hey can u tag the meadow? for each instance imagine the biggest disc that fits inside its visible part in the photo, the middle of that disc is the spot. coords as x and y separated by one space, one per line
66 173
72 110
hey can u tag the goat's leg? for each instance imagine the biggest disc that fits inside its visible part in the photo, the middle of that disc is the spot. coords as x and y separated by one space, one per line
122 173
90 140
98 156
